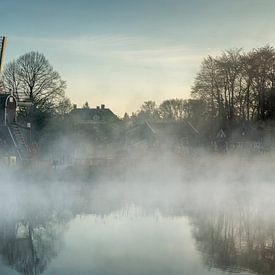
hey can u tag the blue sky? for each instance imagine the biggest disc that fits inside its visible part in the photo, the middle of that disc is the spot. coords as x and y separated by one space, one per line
123 52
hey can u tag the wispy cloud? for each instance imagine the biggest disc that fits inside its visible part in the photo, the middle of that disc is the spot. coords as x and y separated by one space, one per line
141 67
121 48
161 56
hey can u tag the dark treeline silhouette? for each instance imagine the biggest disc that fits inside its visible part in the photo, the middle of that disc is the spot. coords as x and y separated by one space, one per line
169 110
238 85
232 100
235 86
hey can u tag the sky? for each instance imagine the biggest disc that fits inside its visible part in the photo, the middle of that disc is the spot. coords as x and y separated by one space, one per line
124 52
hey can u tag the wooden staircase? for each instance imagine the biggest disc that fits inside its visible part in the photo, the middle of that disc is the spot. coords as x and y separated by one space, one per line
18 141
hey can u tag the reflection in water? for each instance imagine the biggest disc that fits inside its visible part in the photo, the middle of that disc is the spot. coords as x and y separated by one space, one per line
240 238
89 230
128 242
32 223
29 248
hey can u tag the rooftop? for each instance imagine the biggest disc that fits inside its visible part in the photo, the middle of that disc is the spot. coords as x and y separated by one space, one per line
88 115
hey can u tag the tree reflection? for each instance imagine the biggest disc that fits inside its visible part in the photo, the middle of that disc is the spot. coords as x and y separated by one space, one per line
28 246
236 239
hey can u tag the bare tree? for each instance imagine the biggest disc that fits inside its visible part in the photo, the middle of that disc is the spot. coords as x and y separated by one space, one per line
238 86
148 111
173 109
208 85
31 76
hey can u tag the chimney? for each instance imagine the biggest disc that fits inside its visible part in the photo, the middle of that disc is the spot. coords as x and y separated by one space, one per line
102 106
97 107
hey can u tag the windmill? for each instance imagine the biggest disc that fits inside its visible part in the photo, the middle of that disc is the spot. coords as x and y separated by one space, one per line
3 40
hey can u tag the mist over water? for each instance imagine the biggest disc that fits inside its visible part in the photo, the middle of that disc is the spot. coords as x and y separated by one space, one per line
159 214
121 153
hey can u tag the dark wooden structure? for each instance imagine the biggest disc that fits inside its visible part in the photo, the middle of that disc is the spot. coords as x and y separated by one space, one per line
8 105
12 139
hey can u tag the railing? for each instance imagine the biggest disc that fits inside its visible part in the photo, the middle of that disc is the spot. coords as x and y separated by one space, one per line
15 143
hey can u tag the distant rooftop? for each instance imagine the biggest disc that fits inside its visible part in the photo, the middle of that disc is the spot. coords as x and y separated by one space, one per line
88 115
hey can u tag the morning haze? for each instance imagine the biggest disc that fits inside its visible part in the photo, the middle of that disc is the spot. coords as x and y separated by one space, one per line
137 137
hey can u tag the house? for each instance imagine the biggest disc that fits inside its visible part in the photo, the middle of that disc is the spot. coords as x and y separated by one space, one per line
177 136
245 136
90 133
92 115
95 125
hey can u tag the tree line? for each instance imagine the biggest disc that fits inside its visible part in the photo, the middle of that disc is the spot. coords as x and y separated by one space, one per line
168 110
235 86
238 85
